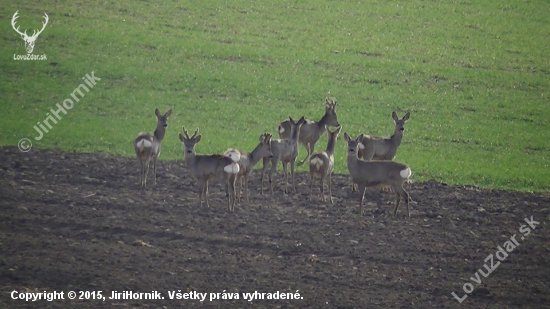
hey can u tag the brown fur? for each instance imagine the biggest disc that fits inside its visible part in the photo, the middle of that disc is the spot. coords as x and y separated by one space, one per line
146 154
374 173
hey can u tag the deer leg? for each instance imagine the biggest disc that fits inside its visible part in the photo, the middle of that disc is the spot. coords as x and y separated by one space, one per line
286 176
232 193
233 185
200 186
397 200
227 195
292 174
237 193
271 171
321 185
361 188
330 187
306 145
141 172
206 193
154 170
245 179
310 185
406 196
265 162
147 162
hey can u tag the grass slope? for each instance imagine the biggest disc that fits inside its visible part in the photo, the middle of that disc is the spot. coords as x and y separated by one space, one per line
475 76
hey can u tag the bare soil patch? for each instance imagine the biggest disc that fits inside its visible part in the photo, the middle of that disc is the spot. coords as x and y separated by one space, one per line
81 222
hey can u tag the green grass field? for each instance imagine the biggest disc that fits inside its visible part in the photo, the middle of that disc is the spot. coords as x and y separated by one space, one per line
474 74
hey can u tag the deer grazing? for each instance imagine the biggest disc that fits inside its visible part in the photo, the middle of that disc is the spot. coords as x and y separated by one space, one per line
29 40
376 148
374 173
321 165
249 159
286 151
147 147
311 131
206 168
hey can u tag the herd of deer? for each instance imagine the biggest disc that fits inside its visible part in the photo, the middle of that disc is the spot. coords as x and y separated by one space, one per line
369 159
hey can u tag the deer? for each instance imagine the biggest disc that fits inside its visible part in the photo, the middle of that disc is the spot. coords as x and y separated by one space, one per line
321 165
206 168
29 40
147 147
285 151
311 131
385 148
374 173
248 160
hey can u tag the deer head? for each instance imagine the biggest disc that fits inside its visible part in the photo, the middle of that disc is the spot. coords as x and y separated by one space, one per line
29 40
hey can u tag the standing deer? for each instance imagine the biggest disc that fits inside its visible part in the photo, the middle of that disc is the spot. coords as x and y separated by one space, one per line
248 160
206 168
29 40
374 173
286 151
311 131
385 148
147 147
321 165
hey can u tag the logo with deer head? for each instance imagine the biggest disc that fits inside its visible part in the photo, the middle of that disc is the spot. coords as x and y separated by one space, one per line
29 40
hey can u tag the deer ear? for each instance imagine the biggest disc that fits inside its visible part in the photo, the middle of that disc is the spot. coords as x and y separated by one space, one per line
394 116
182 138
168 113
359 138
157 113
406 117
346 137
197 139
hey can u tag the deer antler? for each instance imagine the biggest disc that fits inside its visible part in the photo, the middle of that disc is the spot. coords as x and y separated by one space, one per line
13 21
185 133
35 33
330 102
266 137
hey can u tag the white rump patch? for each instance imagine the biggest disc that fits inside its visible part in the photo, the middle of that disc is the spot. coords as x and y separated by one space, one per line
233 154
232 168
317 162
144 143
406 173
281 129
361 146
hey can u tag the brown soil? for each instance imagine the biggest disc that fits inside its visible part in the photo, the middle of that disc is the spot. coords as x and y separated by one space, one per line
81 222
